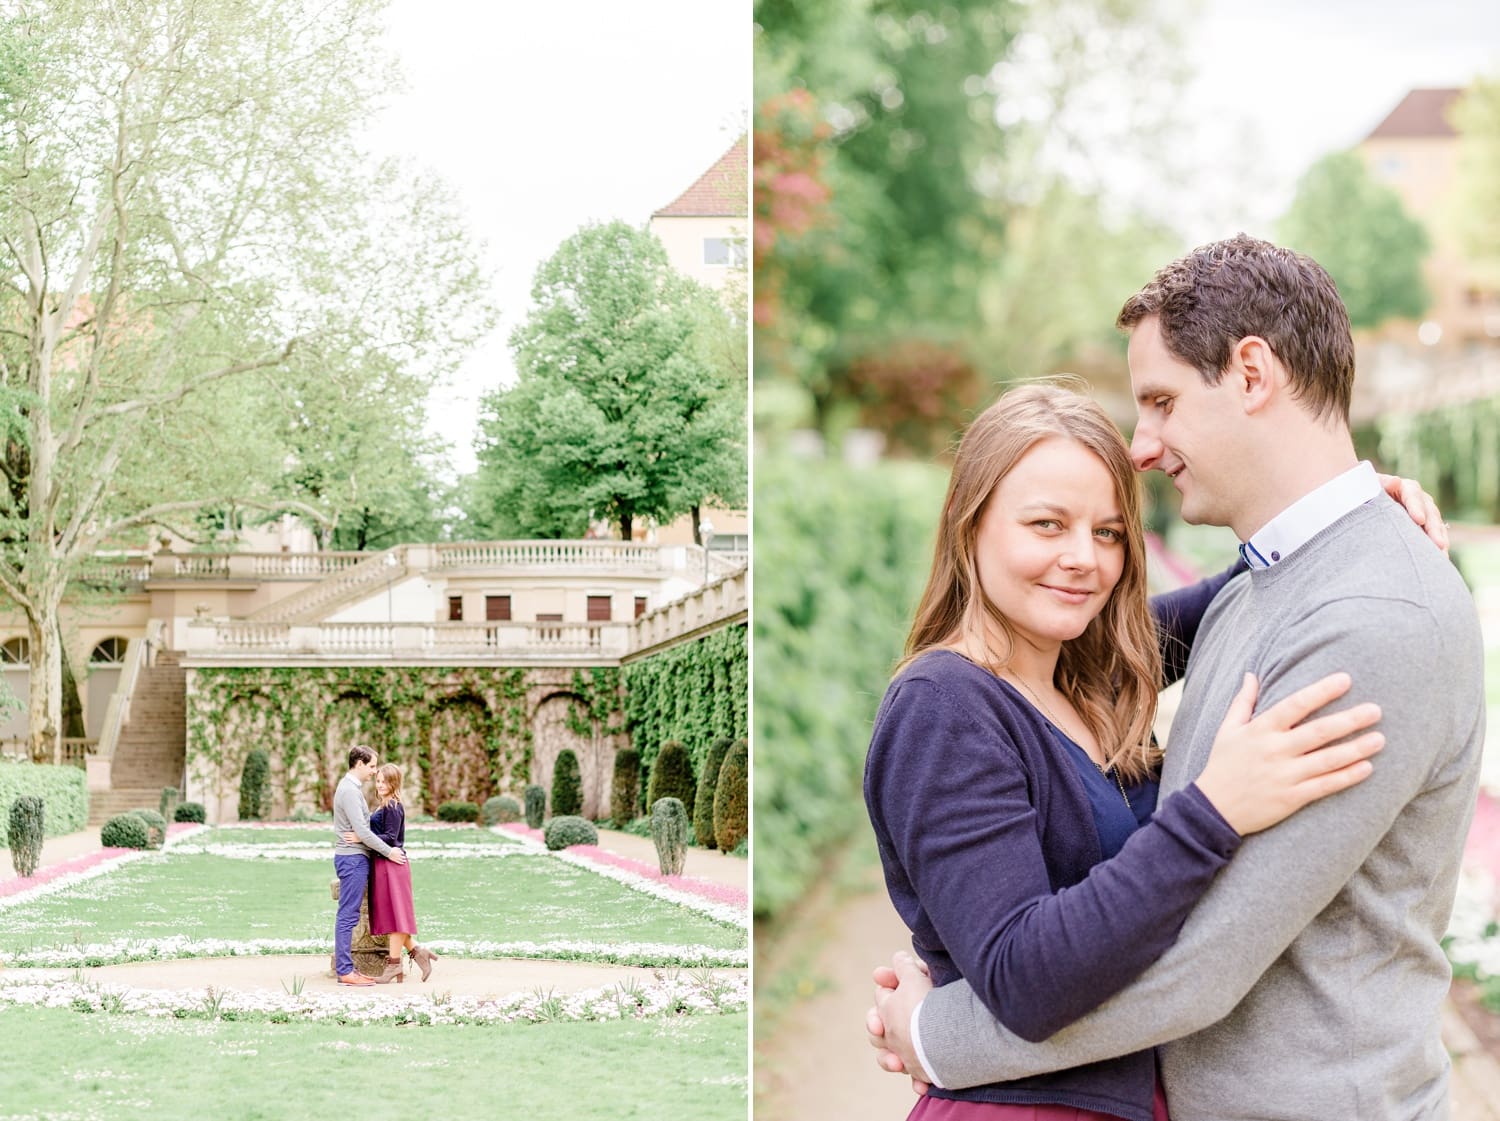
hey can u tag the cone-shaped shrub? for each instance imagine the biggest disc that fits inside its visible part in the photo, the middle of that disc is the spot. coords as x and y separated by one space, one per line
25 833
500 810
732 798
703 807
625 790
190 811
672 777
669 825
536 806
126 831
568 830
254 780
567 785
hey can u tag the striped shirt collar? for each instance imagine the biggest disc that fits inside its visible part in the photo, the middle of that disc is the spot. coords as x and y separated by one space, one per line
1310 515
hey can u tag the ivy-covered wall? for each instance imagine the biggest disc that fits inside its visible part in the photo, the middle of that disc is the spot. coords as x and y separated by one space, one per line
694 693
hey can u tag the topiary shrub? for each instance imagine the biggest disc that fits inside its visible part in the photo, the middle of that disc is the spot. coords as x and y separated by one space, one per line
62 789
672 777
703 808
127 831
569 830
501 810
567 785
458 811
254 780
27 828
536 806
669 827
156 827
190 811
732 799
625 788
168 804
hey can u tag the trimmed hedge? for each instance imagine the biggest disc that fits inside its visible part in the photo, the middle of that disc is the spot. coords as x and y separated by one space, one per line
536 806
672 777
458 811
569 830
625 788
567 785
170 797
695 693
501 810
127 831
63 790
669 829
24 833
190 811
731 816
255 782
708 780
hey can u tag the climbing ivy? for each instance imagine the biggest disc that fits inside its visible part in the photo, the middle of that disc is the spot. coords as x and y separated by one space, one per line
697 692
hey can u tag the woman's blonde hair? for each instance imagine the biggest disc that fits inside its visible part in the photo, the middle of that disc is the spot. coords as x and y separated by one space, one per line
392 776
1111 673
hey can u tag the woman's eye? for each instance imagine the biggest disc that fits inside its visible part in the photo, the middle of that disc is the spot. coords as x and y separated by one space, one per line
1045 523
1110 534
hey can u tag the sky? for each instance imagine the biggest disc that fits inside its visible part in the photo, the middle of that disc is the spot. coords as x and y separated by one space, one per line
544 117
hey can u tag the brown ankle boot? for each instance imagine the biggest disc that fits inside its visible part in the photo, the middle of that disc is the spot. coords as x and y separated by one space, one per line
392 972
424 959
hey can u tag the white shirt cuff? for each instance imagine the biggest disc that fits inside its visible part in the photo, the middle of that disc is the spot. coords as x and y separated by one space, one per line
916 1043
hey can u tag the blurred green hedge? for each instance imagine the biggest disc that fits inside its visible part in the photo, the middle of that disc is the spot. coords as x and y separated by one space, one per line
62 789
840 557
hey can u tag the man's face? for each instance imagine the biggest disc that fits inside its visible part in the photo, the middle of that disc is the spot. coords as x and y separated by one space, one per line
364 769
1184 428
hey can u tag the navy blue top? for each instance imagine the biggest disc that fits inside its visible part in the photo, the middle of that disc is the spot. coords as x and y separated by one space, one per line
992 858
1114 820
389 824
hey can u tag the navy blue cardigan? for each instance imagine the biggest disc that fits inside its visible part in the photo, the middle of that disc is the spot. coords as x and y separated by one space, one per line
992 859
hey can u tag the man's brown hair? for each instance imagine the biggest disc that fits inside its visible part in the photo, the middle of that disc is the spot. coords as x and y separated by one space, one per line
1209 300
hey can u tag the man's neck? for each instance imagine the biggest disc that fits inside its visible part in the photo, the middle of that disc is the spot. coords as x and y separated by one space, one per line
1288 474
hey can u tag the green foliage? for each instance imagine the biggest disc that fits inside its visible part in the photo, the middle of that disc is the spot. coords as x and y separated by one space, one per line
156 827
703 804
672 777
170 796
63 791
1357 228
190 811
619 408
255 781
696 692
126 831
566 830
625 787
567 784
501 810
536 806
458 811
25 833
1455 451
731 814
639 827
1476 222
827 636
669 829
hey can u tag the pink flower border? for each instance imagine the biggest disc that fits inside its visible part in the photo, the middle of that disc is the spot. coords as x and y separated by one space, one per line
51 872
704 889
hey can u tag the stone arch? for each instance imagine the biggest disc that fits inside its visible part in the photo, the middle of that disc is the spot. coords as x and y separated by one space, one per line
550 734
251 720
350 718
459 753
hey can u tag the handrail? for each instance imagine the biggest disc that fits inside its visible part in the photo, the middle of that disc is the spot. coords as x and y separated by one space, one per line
117 712
371 572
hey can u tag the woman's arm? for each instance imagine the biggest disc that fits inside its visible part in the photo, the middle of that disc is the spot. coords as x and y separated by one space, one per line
1178 614
386 826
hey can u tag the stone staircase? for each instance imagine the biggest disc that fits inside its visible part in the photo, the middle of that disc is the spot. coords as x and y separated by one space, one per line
340 589
153 745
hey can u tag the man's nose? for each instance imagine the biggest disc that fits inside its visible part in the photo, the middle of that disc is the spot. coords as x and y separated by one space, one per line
1145 448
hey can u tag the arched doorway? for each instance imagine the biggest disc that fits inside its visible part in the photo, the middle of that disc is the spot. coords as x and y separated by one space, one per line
459 768
106 661
550 735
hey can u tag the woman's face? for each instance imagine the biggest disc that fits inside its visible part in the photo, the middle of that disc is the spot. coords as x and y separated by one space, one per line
382 787
1050 543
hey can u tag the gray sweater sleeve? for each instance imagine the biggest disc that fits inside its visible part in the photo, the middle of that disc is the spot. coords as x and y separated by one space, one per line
1282 878
349 806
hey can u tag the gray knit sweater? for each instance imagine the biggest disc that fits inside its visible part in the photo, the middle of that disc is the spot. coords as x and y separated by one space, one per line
350 812
1307 983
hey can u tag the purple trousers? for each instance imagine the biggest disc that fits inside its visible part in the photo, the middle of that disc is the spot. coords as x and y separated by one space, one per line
353 872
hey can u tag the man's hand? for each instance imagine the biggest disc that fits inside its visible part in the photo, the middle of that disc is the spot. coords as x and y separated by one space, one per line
1419 507
899 988
398 856
351 837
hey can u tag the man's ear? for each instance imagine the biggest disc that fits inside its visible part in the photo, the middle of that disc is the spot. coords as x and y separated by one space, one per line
1256 371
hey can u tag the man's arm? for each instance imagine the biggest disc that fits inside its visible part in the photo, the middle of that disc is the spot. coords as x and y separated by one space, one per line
351 802
1280 880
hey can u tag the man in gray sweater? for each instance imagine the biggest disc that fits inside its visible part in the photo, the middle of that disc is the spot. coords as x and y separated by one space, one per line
351 859
1307 983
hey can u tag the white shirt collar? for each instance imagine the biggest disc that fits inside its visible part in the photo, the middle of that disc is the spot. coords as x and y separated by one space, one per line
1310 515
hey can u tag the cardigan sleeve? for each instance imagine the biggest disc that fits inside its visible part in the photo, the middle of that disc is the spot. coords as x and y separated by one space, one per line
387 825
960 840
1178 614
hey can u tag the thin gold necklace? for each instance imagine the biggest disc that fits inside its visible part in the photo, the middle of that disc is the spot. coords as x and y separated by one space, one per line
1112 772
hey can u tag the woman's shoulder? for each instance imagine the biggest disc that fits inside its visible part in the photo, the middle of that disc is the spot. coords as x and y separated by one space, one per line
943 680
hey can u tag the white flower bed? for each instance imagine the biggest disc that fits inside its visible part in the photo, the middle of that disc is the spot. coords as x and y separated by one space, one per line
1472 935
122 951
668 996
293 851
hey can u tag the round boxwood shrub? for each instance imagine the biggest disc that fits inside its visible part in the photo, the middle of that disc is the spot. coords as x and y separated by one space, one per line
190 811
125 831
567 785
458 811
625 788
156 826
703 808
501 810
536 806
732 799
25 832
254 786
569 830
672 777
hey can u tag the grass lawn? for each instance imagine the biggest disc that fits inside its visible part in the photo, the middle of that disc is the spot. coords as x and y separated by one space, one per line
58 1064
417 837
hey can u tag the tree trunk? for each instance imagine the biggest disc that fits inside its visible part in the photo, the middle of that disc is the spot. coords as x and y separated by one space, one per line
697 524
625 527
45 708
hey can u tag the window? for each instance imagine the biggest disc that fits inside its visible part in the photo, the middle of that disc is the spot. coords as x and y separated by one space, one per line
455 609
640 606
728 251
497 609
15 652
599 609
549 617
110 652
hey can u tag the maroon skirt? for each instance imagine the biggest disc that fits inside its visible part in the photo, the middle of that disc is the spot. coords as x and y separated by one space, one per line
391 909
929 1108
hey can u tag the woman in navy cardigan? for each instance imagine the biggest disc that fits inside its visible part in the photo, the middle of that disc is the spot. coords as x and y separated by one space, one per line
1011 774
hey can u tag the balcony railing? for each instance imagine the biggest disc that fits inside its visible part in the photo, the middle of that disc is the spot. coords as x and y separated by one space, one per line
75 752
553 555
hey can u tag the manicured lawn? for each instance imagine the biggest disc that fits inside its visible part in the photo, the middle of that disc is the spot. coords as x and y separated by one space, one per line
61 1064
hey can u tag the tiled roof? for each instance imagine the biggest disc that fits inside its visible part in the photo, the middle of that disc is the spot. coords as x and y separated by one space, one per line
720 192
1421 113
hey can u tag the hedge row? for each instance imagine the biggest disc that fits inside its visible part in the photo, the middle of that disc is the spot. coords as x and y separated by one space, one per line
694 693
62 789
840 558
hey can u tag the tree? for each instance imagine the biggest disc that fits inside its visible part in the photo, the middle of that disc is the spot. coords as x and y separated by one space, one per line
1477 118
1357 229
620 410
191 237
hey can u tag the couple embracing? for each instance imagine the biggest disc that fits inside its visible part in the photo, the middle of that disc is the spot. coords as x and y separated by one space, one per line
1246 926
